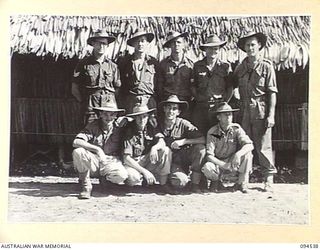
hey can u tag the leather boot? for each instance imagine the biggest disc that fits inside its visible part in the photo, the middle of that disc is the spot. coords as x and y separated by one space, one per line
216 186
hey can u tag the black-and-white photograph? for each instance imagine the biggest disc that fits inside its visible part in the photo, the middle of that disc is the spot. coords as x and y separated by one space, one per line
159 119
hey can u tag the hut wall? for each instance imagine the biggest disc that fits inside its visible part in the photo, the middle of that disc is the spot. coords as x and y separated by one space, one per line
44 111
42 108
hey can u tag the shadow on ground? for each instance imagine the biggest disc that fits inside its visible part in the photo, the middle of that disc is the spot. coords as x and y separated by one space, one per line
39 189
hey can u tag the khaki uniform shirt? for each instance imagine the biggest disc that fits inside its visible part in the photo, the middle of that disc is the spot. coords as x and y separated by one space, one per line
109 141
177 78
210 83
254 84
138 143
223 144
90 74
180 130
145 82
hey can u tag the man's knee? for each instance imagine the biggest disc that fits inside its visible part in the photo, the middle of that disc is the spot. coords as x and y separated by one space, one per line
118 174
165 153
248 156
211 171
199 151
79 156
78 153
134 177
179 179
246 163
199 148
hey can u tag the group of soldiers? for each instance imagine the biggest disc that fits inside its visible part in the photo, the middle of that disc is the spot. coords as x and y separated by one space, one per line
168 124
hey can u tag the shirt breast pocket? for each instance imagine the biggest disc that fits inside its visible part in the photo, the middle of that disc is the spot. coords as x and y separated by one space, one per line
185 73
91 76
202 80
107 76
137 150
148 76
170 76
98 141
259 88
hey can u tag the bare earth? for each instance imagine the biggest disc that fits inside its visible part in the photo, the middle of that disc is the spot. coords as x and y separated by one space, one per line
54 199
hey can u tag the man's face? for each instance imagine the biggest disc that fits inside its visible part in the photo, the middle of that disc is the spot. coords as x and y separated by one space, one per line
99 48
225 119
171 111
140 44
141 121
252 46
177 45
212 52
107 116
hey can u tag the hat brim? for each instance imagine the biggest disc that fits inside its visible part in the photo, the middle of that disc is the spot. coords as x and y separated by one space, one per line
102 39
108 109
167 43
262 38
183 104
149 37
208 45
226 111
141 113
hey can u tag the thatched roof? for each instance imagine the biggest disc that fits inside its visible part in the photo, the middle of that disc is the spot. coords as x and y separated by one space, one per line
66 36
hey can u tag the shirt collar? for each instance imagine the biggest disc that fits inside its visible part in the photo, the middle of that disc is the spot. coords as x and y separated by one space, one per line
203 62
183 61
227 131
257 65
93 59
110 128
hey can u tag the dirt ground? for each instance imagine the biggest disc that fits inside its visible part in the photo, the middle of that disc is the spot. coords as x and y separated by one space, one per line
54 199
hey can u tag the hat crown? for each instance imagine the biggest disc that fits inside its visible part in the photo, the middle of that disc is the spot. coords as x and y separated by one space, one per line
213 39
101 36
247 33
262 38
100 33
140 108
173 98
109 104
172 34
223 107
139 32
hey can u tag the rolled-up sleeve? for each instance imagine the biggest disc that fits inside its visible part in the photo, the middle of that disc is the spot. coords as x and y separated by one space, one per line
117 80
127 147
242 137
271 82
210 145
77 73
85 135
192 131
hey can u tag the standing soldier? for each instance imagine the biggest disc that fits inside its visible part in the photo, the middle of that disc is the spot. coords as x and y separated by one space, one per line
211 83
177 69
96 78
139 74
258 91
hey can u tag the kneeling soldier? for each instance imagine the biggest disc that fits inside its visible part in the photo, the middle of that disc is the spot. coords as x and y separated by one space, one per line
186 142
145 153
97 149
228 151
